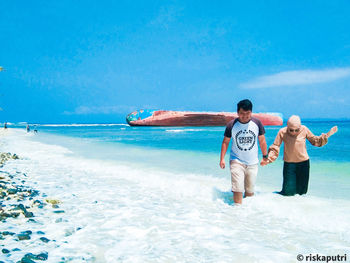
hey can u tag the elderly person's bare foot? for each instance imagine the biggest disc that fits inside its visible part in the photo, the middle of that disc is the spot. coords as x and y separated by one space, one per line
332 131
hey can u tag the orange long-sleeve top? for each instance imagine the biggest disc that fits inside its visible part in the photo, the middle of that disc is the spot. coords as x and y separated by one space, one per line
295 146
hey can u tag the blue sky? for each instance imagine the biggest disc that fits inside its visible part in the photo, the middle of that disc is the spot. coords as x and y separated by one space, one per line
96 61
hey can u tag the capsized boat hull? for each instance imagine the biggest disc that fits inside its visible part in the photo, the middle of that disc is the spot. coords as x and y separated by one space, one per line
188 118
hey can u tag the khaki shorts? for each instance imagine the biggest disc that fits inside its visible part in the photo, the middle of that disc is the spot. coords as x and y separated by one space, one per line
243 176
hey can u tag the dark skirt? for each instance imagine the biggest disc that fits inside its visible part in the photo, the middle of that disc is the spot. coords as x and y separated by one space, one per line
295 178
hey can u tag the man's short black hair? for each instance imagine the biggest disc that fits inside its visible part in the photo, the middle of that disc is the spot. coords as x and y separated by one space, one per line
245 105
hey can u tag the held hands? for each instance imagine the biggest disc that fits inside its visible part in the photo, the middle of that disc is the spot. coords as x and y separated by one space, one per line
264 162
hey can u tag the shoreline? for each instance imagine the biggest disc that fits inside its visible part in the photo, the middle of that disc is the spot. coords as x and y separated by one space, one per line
19 204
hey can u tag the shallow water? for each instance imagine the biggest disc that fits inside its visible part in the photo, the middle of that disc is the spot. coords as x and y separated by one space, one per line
158 195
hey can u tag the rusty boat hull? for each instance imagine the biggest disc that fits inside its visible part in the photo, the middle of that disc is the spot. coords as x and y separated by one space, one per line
188 118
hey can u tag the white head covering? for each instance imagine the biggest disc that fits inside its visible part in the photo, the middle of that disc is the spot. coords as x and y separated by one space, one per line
294 122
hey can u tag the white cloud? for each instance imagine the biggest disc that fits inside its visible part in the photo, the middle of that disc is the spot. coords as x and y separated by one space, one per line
85 110
297 77
339 101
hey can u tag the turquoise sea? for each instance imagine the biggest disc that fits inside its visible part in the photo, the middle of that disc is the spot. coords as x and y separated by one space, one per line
157 194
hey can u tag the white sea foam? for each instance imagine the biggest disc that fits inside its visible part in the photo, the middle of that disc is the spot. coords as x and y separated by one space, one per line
120 213
185 130
178 130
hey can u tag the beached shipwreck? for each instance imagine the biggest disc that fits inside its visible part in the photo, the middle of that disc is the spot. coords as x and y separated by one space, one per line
190 118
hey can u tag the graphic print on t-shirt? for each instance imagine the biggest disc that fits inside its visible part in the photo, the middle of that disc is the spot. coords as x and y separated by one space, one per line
245 140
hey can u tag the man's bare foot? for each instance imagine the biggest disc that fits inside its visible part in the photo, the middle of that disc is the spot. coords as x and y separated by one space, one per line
332 131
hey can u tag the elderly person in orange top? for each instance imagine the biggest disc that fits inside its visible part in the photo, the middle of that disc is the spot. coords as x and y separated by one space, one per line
296 166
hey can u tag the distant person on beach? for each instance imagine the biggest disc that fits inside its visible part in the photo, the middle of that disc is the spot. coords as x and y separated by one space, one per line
245 132
5 125
35 129
28 129
296 168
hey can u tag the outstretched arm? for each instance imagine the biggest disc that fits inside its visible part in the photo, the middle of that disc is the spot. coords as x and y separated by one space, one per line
321 140
224 146
333 130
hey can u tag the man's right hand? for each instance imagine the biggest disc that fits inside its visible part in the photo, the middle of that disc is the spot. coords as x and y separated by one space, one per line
222 164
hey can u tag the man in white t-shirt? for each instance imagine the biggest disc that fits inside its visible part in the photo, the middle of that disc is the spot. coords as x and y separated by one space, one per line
245 131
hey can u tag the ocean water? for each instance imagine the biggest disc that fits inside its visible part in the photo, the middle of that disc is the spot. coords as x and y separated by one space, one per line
157 194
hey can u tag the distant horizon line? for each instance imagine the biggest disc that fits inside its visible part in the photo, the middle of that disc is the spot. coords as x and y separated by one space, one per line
125 124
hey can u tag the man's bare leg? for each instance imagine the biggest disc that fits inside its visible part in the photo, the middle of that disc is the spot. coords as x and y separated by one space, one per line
237 197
